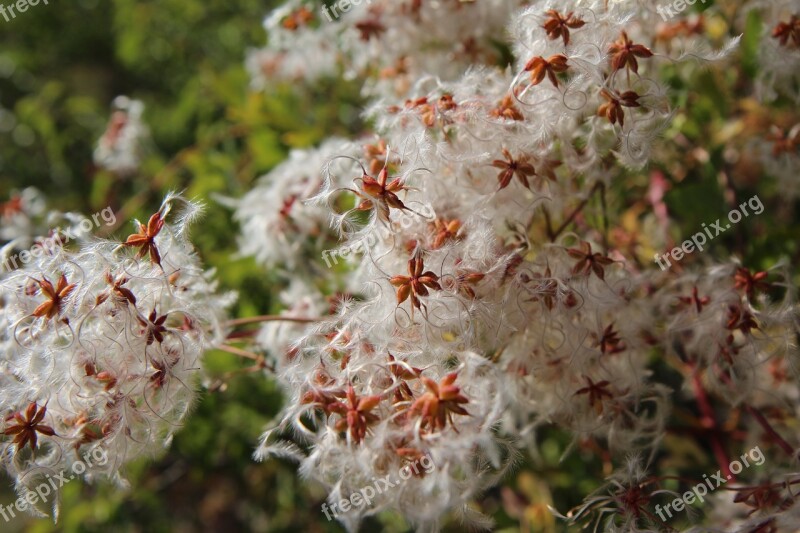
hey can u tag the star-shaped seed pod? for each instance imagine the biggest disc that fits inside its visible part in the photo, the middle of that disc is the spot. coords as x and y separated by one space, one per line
438 405
145 239
55 297
588 261
26 427
558 25
154 327
356 414
624 53
416 284
539 67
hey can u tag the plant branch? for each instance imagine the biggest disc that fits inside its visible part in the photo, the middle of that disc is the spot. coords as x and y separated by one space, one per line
708 420
571 218
269 318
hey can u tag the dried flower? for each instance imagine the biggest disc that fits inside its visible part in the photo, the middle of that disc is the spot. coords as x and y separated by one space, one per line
540 67
154 327
380 194
145 239
588 261
25 427
624 53
595 393
416 284
55 297
744 279
356 413
511 167
612 109
437 406
558 25
788 30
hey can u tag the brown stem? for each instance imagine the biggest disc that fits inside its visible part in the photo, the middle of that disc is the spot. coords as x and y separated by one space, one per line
242 336
549 225
261 362
241 353
709 422
269 318
605 215
571 218
763 422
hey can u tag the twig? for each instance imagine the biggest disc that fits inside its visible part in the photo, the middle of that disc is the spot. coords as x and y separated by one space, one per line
763 422
269 318
709 422
605 215
571 218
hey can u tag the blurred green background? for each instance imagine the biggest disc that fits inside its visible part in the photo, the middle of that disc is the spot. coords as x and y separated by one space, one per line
61 65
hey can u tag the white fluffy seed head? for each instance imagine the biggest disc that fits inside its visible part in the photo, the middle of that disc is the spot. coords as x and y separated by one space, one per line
108 346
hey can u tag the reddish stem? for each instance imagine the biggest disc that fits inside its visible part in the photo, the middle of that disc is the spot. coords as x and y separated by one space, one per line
571 218
259 359
709 422
763 422
269 318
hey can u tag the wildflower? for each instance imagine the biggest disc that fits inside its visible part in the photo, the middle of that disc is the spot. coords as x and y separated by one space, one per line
744 279
298 18
108 358
463 281
120 292
740 319
120 149
695 300
370 28
154 327
610 342
507 110
445 230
